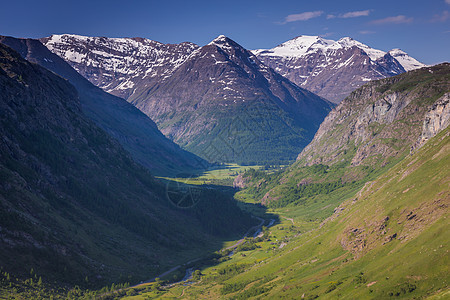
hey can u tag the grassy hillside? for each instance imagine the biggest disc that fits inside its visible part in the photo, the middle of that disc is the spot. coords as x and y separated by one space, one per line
361 214
389 241
369 132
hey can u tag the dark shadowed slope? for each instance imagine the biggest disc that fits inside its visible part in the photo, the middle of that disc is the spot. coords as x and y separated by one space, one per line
73 203
133 129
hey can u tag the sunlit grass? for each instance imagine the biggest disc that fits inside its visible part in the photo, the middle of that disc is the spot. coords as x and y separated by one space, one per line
299 257
222 175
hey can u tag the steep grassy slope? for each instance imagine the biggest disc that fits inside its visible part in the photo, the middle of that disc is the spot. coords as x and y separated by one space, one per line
134 130
369 132
389 241
74 206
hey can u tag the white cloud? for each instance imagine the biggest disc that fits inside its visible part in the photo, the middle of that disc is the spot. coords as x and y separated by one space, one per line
355 14
327 34
393 20
303 16
447 1
351 14
366 32
441 17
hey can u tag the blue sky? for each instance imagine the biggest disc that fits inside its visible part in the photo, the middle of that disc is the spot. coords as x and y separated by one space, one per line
419 27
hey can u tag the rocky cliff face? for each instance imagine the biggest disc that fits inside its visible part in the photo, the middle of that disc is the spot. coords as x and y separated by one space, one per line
239 182
333 69
382 119
436 119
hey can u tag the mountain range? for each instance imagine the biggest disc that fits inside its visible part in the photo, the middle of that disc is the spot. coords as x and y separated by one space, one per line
137 133
191 97
119 65
333 69
217 101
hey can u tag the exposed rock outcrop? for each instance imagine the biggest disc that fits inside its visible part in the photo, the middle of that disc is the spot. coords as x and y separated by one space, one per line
436 119
239 182
383 119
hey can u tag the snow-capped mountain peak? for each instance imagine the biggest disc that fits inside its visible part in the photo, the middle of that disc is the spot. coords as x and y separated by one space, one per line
331 68
348 42
405 60
220 39
304 42
304 45
297 47
225 43
117 65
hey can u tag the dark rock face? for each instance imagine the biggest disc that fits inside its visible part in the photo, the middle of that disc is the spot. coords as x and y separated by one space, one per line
221 102
137 133
333 69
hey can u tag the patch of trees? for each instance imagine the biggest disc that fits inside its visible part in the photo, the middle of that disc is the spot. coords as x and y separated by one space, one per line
249 244
299 194
231 270
232 287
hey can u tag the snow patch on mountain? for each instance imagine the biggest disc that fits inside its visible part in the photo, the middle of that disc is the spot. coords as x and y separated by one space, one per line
333 69
297 47
119 64
405 60
304 45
